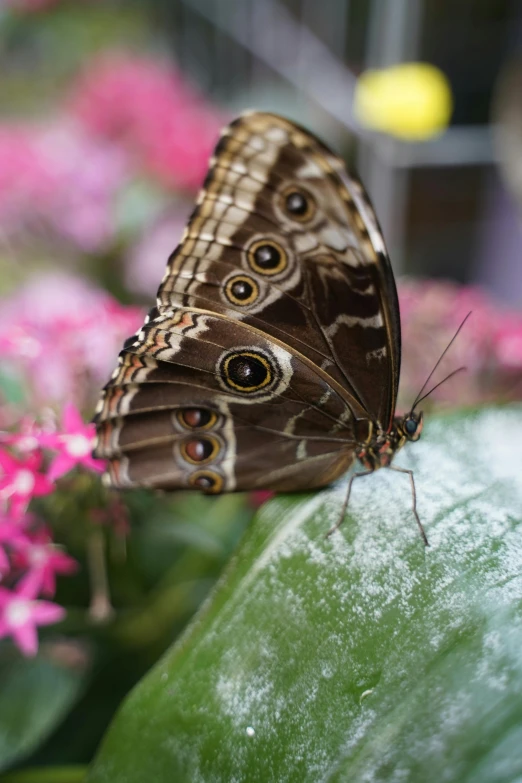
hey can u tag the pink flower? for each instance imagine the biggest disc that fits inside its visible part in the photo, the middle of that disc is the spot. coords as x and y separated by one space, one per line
508 344
29 437
21 480
89 173
147 257
21 613
64 333
43 561
55 176
149 107
11 535
74 443
260 496
25 178
20 344
489 345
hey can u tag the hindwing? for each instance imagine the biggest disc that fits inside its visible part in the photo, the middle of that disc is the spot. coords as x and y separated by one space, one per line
198 401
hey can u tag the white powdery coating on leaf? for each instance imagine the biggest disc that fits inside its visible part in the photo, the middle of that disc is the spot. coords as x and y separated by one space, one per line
313 623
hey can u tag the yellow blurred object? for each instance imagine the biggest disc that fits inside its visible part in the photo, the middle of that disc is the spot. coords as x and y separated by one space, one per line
412 101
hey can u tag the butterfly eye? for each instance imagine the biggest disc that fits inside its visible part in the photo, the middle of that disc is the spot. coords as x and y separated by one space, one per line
199 450
206 480
412 426
298 205
267 257
246 371
241 290
196 418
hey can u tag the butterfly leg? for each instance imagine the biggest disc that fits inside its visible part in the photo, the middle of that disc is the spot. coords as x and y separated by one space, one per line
346 500
414 496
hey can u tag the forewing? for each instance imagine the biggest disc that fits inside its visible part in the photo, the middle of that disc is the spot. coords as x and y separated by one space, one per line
331 296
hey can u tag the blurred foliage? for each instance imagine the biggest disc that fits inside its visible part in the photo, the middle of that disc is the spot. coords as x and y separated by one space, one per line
158 577
36 695
53 45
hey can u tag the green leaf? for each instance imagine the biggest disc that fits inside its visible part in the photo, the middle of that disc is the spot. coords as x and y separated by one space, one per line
70 774
359 657
35 695
11 387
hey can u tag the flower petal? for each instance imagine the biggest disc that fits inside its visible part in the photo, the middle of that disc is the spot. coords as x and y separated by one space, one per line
26 638
4 562
61 464
71 418
29 585
46 613
97 465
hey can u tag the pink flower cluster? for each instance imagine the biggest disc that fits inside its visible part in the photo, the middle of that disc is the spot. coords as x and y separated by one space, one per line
63 335
57 177
29 560
127 116
154 112
147 258
489 345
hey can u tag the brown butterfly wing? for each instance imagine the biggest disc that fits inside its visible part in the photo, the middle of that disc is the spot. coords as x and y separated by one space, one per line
332 297
177 413
281 269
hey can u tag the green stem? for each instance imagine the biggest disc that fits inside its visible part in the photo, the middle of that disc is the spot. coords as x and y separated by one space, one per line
100 609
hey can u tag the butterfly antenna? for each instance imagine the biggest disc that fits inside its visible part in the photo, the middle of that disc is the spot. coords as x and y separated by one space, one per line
441 357
460 369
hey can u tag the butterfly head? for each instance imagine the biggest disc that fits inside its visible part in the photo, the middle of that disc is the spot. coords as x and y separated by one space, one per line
410 426
379 451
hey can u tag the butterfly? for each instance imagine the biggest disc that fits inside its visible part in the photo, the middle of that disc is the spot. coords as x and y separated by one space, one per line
271 359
